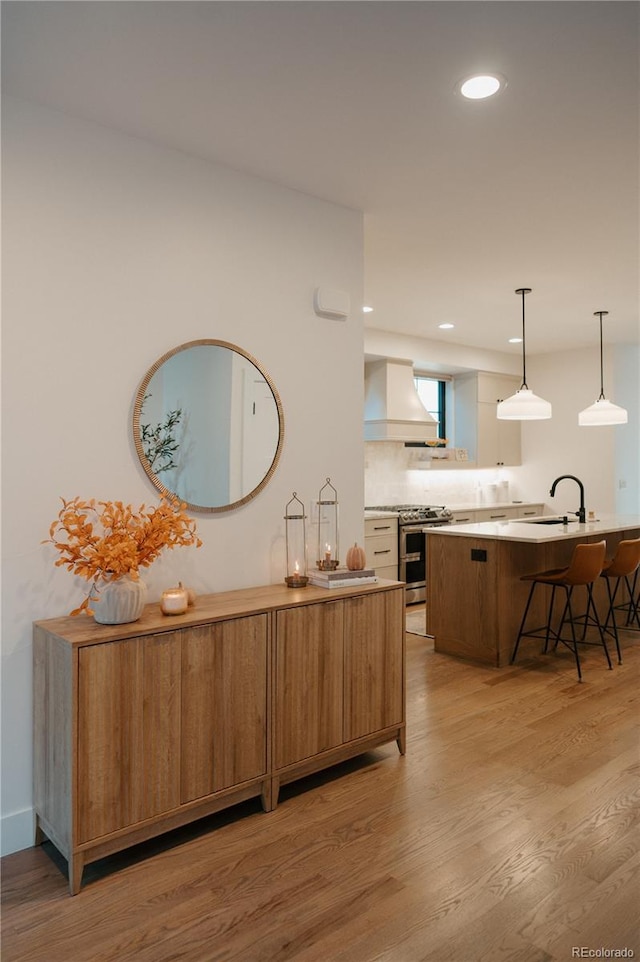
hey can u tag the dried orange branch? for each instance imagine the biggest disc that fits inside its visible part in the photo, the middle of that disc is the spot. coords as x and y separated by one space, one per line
103 540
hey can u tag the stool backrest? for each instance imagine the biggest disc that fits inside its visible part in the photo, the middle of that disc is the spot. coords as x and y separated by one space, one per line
586 564
626 559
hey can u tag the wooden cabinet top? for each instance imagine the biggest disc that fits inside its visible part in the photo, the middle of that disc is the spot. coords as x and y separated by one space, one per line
82 630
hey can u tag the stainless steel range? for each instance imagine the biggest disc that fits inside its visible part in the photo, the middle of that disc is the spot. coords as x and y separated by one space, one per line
412 547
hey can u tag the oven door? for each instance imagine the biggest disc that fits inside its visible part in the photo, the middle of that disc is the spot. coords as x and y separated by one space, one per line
412 561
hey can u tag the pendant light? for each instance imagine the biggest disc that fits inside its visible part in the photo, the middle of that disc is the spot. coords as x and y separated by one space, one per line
524 405
601 412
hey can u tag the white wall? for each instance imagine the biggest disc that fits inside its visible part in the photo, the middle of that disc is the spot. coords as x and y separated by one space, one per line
626 392
606 459
601 457
114 252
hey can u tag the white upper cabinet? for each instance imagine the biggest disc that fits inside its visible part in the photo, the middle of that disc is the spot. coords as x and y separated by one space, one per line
489 442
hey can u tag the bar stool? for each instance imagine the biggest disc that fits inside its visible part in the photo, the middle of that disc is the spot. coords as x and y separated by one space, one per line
624 564
586 565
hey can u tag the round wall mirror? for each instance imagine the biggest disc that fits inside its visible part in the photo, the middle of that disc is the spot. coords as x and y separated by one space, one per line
208 425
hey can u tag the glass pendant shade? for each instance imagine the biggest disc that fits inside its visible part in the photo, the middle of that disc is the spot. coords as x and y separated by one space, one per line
524 405
601 412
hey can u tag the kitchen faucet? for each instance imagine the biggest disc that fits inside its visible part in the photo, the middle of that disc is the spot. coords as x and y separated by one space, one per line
581 512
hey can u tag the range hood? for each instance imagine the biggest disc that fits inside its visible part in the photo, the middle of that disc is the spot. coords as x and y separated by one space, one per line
392 409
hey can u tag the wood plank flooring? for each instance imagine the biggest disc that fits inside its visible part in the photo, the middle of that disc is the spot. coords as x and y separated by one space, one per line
508 833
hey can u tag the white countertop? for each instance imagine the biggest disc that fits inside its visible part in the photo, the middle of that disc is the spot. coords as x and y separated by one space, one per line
537 533
471 506
483 505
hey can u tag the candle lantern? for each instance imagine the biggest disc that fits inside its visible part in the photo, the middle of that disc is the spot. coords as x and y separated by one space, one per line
328 553
296 543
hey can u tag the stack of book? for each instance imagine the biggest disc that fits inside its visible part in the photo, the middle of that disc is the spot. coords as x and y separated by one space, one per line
342 578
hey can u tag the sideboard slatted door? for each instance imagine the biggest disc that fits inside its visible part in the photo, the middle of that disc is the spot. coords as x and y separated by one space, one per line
309 682
224 705
128 733
374 663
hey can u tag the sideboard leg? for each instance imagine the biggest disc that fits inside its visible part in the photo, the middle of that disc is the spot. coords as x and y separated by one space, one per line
401 741
76 868
266 795
39 836
275 791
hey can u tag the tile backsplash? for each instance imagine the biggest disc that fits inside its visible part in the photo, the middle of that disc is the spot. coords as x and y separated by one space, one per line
390 478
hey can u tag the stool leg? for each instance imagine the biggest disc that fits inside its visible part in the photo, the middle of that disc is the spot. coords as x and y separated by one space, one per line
563 618
549 618
611 614
591 604
567 607
522 623
633 613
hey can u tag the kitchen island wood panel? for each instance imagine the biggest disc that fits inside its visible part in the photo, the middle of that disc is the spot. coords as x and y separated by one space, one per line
475 596
464 613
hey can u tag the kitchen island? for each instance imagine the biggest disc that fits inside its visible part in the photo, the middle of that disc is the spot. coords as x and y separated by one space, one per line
475 598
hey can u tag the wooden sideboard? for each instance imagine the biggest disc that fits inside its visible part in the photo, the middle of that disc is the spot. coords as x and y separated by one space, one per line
143 727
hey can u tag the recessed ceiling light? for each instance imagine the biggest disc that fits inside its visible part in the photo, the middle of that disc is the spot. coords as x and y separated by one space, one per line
367 310
481 86
515 340
446 327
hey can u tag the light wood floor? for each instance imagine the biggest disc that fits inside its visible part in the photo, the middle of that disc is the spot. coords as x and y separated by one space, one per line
509 832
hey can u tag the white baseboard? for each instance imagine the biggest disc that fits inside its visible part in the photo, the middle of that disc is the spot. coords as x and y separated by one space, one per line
17 831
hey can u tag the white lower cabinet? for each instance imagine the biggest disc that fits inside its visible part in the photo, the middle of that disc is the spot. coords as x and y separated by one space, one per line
509 512
498 512
530 510
381 546
464 517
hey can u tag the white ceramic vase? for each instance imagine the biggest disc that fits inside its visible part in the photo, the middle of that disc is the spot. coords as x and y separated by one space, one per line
119 601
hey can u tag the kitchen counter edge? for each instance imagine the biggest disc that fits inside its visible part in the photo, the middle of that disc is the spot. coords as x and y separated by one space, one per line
527 532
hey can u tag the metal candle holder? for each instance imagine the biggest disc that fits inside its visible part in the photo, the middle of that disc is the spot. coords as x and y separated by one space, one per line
296 544
328 550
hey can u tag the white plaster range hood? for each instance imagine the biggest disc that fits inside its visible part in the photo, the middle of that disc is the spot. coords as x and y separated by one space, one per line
392 409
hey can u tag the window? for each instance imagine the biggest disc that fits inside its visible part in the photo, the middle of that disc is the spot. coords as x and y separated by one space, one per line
431 392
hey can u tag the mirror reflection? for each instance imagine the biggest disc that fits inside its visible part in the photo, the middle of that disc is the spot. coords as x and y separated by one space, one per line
208 425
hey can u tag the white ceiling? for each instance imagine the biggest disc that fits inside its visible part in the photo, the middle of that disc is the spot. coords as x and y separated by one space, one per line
354 102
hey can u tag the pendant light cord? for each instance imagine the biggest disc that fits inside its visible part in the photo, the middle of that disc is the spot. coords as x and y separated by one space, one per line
524 386
599 314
